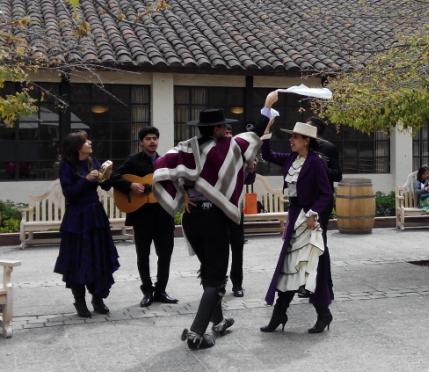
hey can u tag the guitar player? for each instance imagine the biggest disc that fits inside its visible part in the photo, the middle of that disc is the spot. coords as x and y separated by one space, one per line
150 222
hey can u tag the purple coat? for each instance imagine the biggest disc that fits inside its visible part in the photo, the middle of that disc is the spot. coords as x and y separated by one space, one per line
313 192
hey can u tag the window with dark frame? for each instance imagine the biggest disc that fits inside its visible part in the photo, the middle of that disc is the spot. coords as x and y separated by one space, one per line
112 116
189 101
359 153
29 149
421 148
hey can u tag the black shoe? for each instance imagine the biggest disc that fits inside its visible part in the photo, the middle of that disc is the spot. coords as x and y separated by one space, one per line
82 309
146 300
195 341
303 293
164 298
323 321
99 306
238 292
278 317
220 328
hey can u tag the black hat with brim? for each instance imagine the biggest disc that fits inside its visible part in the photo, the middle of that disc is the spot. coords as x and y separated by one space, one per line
211 118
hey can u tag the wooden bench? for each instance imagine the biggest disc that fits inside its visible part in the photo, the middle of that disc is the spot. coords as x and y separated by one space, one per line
407 208
45 213
273 215
6 297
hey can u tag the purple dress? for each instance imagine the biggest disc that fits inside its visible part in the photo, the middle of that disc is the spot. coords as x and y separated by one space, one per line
87 254
314 192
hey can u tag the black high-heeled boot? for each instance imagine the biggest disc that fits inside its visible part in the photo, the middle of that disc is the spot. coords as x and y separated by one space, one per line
279 315
99 305
324 319
80 303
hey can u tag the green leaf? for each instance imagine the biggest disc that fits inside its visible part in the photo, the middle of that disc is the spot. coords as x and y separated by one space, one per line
74 3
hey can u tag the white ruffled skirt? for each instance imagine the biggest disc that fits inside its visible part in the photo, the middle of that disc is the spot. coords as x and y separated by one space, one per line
300 265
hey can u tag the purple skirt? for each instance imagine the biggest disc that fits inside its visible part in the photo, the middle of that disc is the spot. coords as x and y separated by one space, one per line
88 257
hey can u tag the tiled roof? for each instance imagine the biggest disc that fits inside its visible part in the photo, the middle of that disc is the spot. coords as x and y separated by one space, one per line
242 35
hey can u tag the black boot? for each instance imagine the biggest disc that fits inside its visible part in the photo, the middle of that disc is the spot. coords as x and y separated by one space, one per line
99 305
279 315
209 309
80 304
324 319
220 328
196 341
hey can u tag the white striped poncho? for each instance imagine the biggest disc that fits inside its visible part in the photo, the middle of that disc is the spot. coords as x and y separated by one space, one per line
215 168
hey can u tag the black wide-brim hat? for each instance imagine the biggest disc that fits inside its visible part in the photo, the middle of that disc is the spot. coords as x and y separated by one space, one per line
210 118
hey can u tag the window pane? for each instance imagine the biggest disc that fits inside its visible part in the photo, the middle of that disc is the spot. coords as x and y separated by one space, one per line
28 130
49 131
121 131
199 96
140 113
38 169
120 149
49 113
121 93
100 94
7 170
101 150
120 113
80 93
81 115
140 94
6 132
100 131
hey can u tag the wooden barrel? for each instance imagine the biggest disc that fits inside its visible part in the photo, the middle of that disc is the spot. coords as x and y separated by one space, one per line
355 206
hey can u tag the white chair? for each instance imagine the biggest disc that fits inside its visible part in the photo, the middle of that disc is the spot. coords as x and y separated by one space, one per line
407 203
6 297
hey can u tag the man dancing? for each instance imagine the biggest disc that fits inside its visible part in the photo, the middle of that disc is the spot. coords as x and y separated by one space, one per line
205 175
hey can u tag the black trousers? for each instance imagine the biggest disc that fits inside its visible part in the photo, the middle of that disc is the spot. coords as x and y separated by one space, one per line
79 291
154 226
237 244
207 230
324 287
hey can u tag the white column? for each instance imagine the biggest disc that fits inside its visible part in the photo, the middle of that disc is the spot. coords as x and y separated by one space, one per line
163 110
401 155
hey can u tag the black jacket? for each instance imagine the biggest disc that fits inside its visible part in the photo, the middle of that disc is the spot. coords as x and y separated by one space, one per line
139 165
329 154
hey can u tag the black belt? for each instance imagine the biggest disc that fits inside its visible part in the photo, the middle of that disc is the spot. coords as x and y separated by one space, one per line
293 201
203 205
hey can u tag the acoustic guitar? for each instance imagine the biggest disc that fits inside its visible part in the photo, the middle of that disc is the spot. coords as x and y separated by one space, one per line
131 202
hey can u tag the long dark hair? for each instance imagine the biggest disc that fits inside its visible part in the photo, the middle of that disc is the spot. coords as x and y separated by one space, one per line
420 173
71 146
313 144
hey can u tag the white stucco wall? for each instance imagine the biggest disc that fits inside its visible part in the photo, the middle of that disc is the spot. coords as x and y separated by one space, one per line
163 109
401 155
21 190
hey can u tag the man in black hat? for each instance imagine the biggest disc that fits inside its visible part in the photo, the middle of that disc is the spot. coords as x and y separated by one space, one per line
206 175
236 234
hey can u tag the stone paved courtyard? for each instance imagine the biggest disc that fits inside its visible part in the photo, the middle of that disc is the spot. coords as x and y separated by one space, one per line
380 314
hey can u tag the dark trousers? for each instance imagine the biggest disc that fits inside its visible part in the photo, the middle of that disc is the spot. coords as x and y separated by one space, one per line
158 227
324 293
237 244
207 230
79 291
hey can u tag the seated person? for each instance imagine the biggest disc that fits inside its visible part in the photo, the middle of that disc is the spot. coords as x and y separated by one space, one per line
421 188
